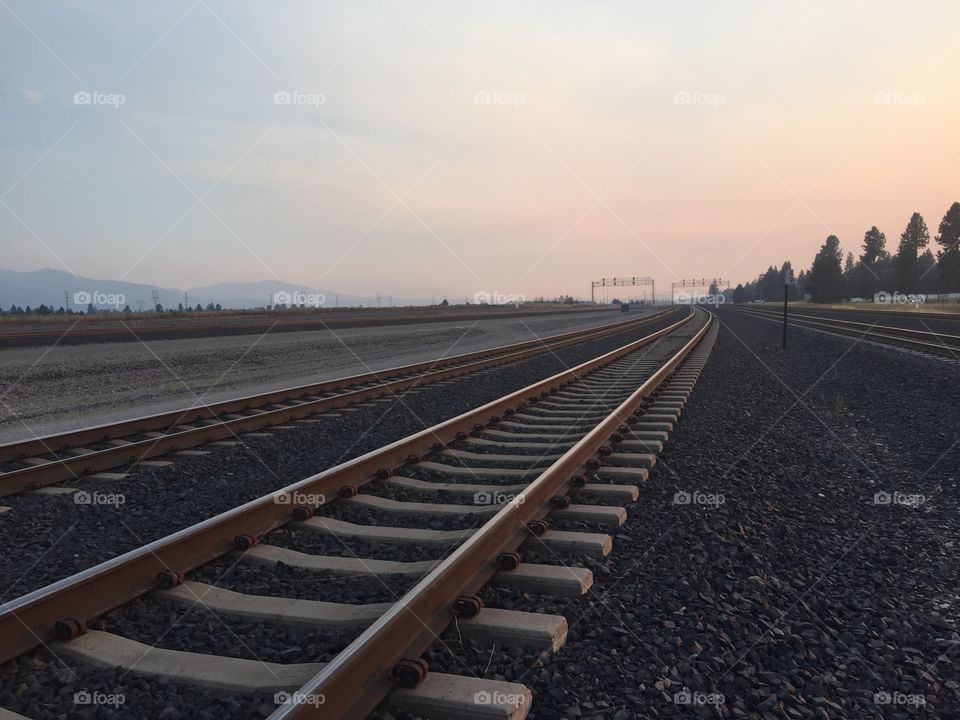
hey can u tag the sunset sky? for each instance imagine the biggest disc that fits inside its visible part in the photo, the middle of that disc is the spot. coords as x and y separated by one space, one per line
451 147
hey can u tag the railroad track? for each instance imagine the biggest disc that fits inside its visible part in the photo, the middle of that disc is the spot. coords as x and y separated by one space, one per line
40 461
923 341
546 467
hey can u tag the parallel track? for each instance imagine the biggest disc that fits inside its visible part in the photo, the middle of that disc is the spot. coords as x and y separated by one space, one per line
927 342
590 432
41 461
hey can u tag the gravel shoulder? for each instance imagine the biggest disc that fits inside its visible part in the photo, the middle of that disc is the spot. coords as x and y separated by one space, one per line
58 388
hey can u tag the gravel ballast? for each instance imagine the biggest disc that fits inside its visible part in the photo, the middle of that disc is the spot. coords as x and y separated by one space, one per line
804 593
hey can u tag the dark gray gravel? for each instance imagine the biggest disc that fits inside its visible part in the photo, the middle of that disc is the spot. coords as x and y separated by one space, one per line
164 624
284 581
798 596
314 543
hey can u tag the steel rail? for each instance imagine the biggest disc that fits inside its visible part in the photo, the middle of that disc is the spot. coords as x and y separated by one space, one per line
31 447
918 338
359 678
30 620
217 428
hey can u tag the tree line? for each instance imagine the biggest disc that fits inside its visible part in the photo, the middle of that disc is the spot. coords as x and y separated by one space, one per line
913 269
91 309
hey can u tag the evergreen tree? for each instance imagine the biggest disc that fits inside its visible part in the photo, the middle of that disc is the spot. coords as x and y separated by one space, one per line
869 278
738 294
948 258
929 275
914 238
825 280
849 275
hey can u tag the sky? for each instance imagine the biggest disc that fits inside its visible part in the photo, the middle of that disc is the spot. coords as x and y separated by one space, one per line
420 148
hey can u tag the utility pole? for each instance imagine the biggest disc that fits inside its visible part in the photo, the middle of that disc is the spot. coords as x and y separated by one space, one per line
378 301
66 299
788 280
155 294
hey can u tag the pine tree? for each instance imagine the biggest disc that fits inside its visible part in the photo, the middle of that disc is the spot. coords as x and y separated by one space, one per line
825 280
948 258
914 238
874 256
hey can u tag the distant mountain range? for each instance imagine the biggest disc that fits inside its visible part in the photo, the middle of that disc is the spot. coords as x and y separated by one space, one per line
58 288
